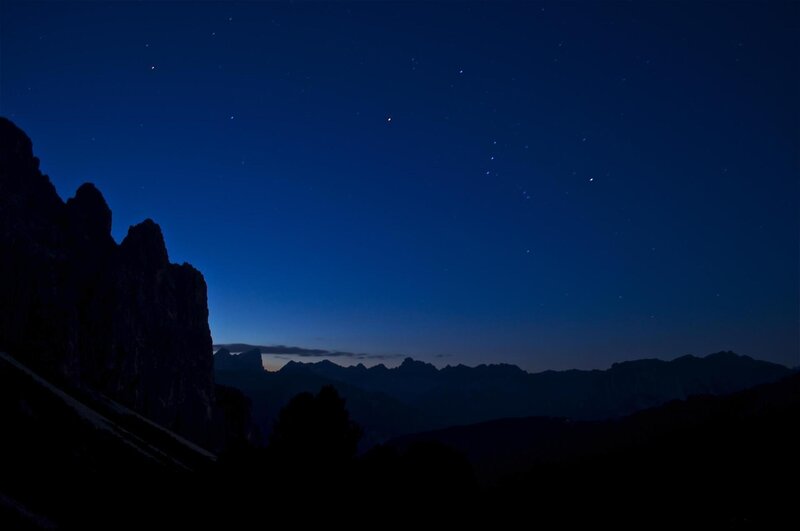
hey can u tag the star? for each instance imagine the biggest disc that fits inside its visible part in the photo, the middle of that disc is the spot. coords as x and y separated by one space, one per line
152 67
389 119
231 117
461 71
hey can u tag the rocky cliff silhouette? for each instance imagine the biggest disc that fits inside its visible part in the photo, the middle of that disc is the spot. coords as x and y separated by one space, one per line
87 312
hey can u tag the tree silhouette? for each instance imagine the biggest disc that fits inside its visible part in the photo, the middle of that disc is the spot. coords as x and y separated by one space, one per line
314 433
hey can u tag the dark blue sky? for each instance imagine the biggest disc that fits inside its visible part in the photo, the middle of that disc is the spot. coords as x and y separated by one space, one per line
552 185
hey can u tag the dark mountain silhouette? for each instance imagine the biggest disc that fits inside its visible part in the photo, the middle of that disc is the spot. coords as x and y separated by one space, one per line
416 396
508 448
86 312
378 413
245 362
715 461
76 459
708 461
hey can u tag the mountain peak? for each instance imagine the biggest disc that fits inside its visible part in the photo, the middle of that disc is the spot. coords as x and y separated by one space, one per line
249 361
144 245
90 210
15 146
292 366
251 357
24 190
75 303
412 365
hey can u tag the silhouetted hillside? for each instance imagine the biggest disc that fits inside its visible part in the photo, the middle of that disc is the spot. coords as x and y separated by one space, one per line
78 459
120 319
379 414
416 396
712 461
709 461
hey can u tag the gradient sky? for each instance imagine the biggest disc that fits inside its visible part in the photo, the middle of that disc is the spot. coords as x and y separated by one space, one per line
553 185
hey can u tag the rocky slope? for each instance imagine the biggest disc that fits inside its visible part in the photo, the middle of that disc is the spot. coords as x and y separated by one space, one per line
87 312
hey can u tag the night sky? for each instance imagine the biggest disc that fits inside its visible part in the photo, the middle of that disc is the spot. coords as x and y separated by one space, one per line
551 185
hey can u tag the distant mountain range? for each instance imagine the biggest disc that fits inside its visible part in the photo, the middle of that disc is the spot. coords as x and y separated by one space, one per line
416 396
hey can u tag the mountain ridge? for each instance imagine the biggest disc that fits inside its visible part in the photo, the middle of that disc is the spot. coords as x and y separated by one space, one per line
85 311
457 395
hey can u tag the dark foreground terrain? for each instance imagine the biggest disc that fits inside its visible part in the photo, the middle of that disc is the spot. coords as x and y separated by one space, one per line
81 462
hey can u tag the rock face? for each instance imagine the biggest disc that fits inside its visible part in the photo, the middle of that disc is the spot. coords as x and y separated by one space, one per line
249 361
88 312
